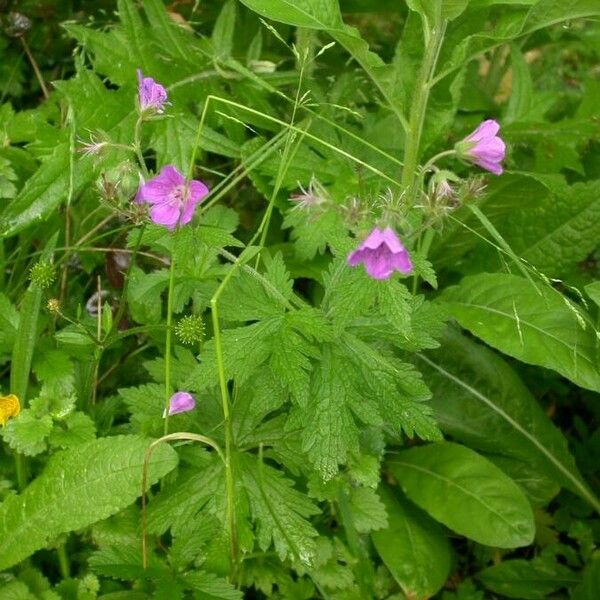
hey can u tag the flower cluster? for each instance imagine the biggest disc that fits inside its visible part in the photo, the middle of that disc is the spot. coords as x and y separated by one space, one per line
381 252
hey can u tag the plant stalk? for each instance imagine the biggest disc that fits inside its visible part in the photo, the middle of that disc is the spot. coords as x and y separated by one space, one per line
419 110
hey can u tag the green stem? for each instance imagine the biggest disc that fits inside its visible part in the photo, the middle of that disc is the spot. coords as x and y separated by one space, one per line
419 110
228 425
63 561
169 335
137 145
435 158
123 299
284 164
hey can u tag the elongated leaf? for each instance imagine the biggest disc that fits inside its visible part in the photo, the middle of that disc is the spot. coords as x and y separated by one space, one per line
26 335
77 488
480 401
535 324
413 547
434 9
465 492
528 579
469 38
588 589
313 14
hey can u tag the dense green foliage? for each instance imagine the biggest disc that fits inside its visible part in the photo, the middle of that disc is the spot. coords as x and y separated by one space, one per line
434 434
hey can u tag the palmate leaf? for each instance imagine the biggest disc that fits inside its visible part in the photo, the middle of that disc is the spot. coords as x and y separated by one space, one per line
355 382
533 323
281 512
480 401
77 488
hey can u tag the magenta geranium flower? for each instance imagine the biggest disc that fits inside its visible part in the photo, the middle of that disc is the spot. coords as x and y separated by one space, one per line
382 253
152 95
181 402
484 147
172 199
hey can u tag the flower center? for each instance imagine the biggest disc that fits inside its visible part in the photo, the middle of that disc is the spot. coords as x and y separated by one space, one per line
179 196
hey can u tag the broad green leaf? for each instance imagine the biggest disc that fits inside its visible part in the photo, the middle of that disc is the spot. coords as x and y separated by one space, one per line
470 38
593 291
480 401
77 488
528 579
435 9
554 230
465 492
413 547
313 14
535 324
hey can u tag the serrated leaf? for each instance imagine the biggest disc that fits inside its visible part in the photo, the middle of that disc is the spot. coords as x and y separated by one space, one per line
209 587
329 430
368 512
95 480
27 433
280 510
533 323
144 294
465 492
146 404
75 429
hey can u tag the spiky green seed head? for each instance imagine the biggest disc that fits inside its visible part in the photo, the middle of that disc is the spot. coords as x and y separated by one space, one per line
42 274
190 330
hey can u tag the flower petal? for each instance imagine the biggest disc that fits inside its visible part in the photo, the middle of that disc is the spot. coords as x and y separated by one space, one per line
165 214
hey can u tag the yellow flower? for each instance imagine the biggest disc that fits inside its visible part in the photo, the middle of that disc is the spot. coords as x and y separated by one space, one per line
9 407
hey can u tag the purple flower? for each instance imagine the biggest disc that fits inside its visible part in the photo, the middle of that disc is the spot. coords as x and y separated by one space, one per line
172 198
181 402
382 253
152 95
484 147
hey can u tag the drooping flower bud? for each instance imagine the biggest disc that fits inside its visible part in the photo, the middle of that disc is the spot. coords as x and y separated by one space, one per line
181 402
484 148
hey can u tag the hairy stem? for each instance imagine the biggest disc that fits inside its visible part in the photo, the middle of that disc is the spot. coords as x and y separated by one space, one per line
168 342
419 110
